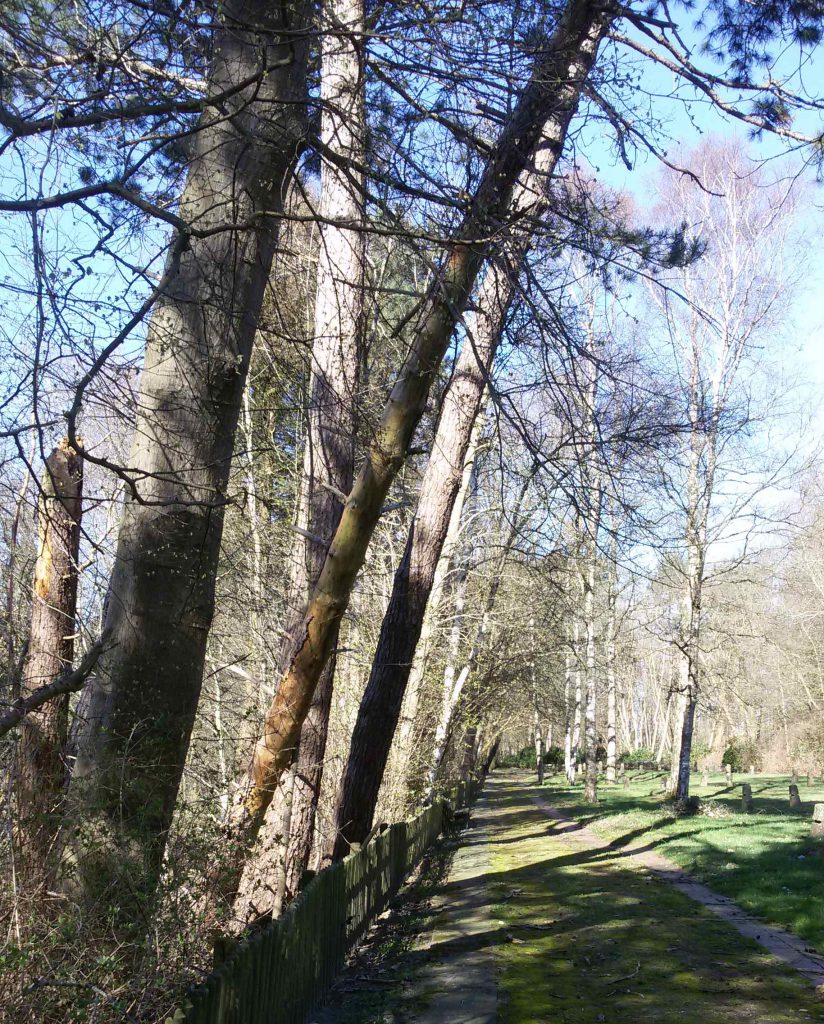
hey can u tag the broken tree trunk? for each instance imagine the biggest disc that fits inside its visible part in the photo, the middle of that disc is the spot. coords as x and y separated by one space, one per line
41 771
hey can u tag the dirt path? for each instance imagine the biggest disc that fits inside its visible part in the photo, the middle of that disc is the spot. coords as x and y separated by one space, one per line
540 920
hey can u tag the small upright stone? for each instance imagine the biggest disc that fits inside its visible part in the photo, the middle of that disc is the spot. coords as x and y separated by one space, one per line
817 830
728 772
752 769
795 799
795 776
705 778
810 779
746 798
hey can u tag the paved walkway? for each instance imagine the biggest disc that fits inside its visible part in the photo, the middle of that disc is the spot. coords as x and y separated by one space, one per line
541 921
459 984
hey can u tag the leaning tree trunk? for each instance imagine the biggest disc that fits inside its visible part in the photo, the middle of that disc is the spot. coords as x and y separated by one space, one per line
132 745
403 620
454 682
328 467
409 711
550 97
40 752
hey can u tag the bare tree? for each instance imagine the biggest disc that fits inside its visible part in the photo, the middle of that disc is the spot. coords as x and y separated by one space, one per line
552 91
714 321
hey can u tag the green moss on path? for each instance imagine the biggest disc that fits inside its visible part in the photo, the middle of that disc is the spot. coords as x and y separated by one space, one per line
593 938
575 932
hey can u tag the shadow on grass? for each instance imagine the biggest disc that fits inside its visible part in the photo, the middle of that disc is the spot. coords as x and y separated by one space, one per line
766 861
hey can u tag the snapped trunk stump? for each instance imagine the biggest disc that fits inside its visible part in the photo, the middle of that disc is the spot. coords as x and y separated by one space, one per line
795 799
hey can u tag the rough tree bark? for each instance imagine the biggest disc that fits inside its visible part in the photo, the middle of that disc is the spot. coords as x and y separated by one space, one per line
401 627
328 467
132 746
550 96
41 769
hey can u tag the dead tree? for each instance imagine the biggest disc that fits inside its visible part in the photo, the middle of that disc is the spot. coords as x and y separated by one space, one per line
41 747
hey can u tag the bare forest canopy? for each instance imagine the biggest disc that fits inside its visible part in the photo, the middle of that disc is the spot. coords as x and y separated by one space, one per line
354 422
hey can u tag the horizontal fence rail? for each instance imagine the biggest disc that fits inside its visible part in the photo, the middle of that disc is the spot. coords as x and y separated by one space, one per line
281 974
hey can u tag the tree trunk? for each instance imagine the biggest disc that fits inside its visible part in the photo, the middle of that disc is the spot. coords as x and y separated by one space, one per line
579 697
132 746
454 683
539 750
43 733
591 790
402 623
612 739
569 767
328 467
409 710
550 97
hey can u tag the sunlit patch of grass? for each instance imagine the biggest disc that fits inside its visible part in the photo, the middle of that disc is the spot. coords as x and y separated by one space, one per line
765 861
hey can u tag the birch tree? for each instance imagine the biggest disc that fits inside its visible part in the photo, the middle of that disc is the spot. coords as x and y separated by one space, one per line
732 299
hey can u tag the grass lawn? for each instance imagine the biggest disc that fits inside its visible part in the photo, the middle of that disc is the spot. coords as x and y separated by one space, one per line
765 861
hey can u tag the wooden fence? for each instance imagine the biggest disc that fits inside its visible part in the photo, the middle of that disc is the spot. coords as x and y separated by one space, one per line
281 974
